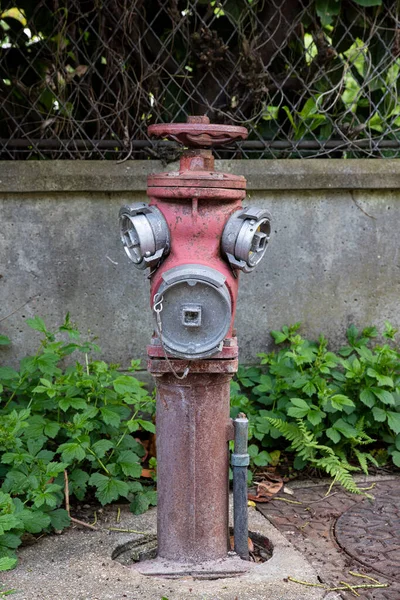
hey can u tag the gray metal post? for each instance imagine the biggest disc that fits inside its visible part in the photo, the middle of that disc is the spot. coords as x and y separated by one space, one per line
240 461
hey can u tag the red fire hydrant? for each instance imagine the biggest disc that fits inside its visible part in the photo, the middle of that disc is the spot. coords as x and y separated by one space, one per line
195 236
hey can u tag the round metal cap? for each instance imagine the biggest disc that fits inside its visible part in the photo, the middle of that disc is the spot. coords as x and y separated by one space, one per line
144 234
245 237
196 312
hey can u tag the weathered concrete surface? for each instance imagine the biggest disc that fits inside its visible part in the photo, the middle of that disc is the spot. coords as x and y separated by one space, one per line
109 176
77 566
333 260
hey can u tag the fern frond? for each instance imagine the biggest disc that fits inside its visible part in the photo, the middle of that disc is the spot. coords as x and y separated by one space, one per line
334 468
363 458
304 443
343 459
363 438
301 439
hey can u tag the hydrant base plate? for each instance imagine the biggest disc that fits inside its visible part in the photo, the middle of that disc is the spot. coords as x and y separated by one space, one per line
232 566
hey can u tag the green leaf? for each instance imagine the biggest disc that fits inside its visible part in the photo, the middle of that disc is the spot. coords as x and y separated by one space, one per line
395 458
368 2
345 428
309 388
135 486
59 519
47 496
382 379
367 398
315 416
4 340
252 450
384 396
8 522
300 403
338 401
51 429
10 540
293 124
79 477
126 384
34 521
54 468
36 444
379 414
108 489
298 413
142 501
262 459
279 336
110 417
327 10
147 425
71 451
333 435
393 421
8 374
76 403
7 563
300 408
130 463
37 323
101 447
78 480
47 363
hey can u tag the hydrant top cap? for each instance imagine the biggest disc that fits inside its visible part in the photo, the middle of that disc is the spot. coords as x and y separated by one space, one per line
198 132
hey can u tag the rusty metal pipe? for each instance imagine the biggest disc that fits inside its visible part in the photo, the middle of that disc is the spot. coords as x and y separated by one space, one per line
193 428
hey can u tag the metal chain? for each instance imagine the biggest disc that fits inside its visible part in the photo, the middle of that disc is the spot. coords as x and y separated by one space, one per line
157 307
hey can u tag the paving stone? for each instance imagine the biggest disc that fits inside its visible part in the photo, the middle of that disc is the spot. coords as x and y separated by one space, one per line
344 532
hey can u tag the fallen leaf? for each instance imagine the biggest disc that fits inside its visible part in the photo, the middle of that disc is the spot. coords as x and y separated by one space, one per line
287 490
147 473
267 489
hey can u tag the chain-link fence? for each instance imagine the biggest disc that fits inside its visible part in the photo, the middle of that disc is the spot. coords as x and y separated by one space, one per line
84 79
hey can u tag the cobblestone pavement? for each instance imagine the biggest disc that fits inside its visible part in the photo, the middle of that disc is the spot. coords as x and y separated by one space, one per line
344 532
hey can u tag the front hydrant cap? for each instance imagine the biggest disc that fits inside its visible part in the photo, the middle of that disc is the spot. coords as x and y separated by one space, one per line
196 312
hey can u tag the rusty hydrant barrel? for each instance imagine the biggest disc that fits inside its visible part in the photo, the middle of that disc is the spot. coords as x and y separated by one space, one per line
192 456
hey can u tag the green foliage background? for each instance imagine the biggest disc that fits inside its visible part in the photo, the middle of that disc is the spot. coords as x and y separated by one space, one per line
62 417
314 70
338 411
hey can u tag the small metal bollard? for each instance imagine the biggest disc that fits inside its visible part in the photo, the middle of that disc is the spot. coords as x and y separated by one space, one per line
240 460
195 237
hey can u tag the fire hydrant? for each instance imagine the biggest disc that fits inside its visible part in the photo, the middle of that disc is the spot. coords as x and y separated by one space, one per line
195 237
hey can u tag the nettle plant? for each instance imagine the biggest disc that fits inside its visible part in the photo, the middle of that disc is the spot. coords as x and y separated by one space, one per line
334 409
67 421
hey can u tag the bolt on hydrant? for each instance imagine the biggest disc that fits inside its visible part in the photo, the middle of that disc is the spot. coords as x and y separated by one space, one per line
195 237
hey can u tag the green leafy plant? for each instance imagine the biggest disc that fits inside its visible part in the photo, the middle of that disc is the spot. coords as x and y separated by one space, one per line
67 421
335 409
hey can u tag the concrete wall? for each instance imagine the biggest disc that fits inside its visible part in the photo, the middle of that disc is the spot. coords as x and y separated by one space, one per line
333 260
